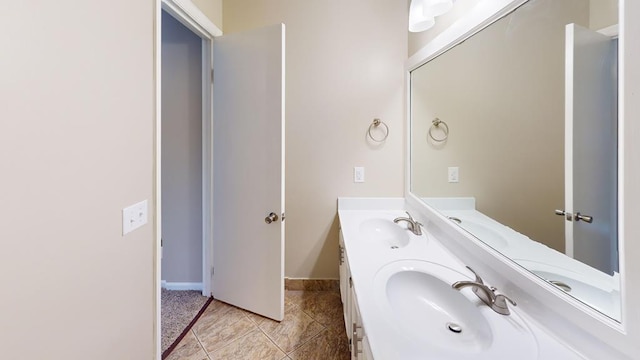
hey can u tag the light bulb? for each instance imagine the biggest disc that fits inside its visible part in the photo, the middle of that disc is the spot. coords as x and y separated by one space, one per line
417 19
436 7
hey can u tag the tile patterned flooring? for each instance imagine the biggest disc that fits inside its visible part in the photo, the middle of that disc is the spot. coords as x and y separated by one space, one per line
313 328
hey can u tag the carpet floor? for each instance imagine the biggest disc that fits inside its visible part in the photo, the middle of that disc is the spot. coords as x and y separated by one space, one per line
178 309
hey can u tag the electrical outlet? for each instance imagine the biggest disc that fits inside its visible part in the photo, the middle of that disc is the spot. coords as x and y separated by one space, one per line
454 174
358 174
134 216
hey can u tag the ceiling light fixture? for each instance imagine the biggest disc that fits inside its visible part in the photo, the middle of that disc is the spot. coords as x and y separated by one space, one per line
422 13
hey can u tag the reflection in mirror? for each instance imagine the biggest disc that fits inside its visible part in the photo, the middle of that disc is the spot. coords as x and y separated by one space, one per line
528 164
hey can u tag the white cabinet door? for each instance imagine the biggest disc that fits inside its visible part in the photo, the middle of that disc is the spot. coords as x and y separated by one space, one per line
359 345
345 286
357 331
344 277
366 349
248 174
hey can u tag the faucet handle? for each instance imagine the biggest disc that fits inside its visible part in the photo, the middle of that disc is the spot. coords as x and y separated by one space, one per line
409 215
478 278
500 304
500 298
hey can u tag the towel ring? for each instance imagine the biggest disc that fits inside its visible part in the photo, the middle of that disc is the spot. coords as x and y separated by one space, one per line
445 129
375 124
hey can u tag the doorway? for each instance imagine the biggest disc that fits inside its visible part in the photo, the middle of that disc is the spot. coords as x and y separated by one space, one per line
183 165
181 179
245 114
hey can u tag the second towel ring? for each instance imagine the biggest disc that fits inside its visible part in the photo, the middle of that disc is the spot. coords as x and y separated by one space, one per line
375 124
445 129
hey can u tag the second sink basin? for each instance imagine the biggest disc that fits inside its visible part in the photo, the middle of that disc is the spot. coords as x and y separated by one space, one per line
417 299
384 232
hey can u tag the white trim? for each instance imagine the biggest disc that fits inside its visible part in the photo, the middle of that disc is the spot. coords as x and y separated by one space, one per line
157 186
578 326
182 285
190 16
207 165
569 90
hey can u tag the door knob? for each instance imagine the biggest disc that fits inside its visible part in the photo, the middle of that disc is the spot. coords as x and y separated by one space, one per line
271 218
585 218
567 215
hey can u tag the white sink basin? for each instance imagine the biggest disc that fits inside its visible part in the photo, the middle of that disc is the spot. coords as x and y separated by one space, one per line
416 298
385 233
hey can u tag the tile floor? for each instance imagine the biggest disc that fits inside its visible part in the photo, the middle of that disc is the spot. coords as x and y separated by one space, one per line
313 328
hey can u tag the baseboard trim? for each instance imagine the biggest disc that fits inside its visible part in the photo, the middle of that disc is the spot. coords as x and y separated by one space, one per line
181 285
312 284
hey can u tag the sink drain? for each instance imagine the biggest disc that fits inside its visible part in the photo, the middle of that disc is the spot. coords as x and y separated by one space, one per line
453 327
394 247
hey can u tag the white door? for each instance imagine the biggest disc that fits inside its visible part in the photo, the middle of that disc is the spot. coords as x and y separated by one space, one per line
591 148
248 174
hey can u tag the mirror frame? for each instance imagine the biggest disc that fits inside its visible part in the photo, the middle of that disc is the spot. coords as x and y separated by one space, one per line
594 334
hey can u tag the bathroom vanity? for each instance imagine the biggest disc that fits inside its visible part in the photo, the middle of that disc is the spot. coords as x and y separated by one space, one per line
399 302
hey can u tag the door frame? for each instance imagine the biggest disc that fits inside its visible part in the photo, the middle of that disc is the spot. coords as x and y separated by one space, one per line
195 20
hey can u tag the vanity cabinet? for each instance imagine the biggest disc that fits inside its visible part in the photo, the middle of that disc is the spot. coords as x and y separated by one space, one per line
358 342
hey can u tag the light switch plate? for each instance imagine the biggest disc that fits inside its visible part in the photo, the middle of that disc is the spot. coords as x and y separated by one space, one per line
454 174
358 174
134 216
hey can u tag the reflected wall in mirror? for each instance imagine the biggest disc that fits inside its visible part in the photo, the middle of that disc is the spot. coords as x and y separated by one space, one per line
530 106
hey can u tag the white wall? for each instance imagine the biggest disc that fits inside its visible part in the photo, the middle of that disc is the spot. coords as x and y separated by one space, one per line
181 152
76 146
345 62
629 57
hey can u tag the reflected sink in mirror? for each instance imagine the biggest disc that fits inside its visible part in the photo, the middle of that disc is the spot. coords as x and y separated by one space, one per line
599 292
489 236
417 299
384 232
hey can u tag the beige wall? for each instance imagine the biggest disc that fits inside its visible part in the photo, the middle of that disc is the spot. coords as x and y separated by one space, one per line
76 146
502 95
345 64
603 13
181 153
212 9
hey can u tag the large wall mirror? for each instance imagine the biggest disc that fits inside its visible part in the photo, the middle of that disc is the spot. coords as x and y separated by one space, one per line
514 139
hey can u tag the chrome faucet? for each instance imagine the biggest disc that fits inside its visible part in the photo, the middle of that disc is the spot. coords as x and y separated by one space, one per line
412 225
497 302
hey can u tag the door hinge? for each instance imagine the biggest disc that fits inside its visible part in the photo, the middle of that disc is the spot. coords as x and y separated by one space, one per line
213 270
212 76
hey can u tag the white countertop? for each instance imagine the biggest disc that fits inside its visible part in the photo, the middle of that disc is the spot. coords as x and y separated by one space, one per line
366 259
